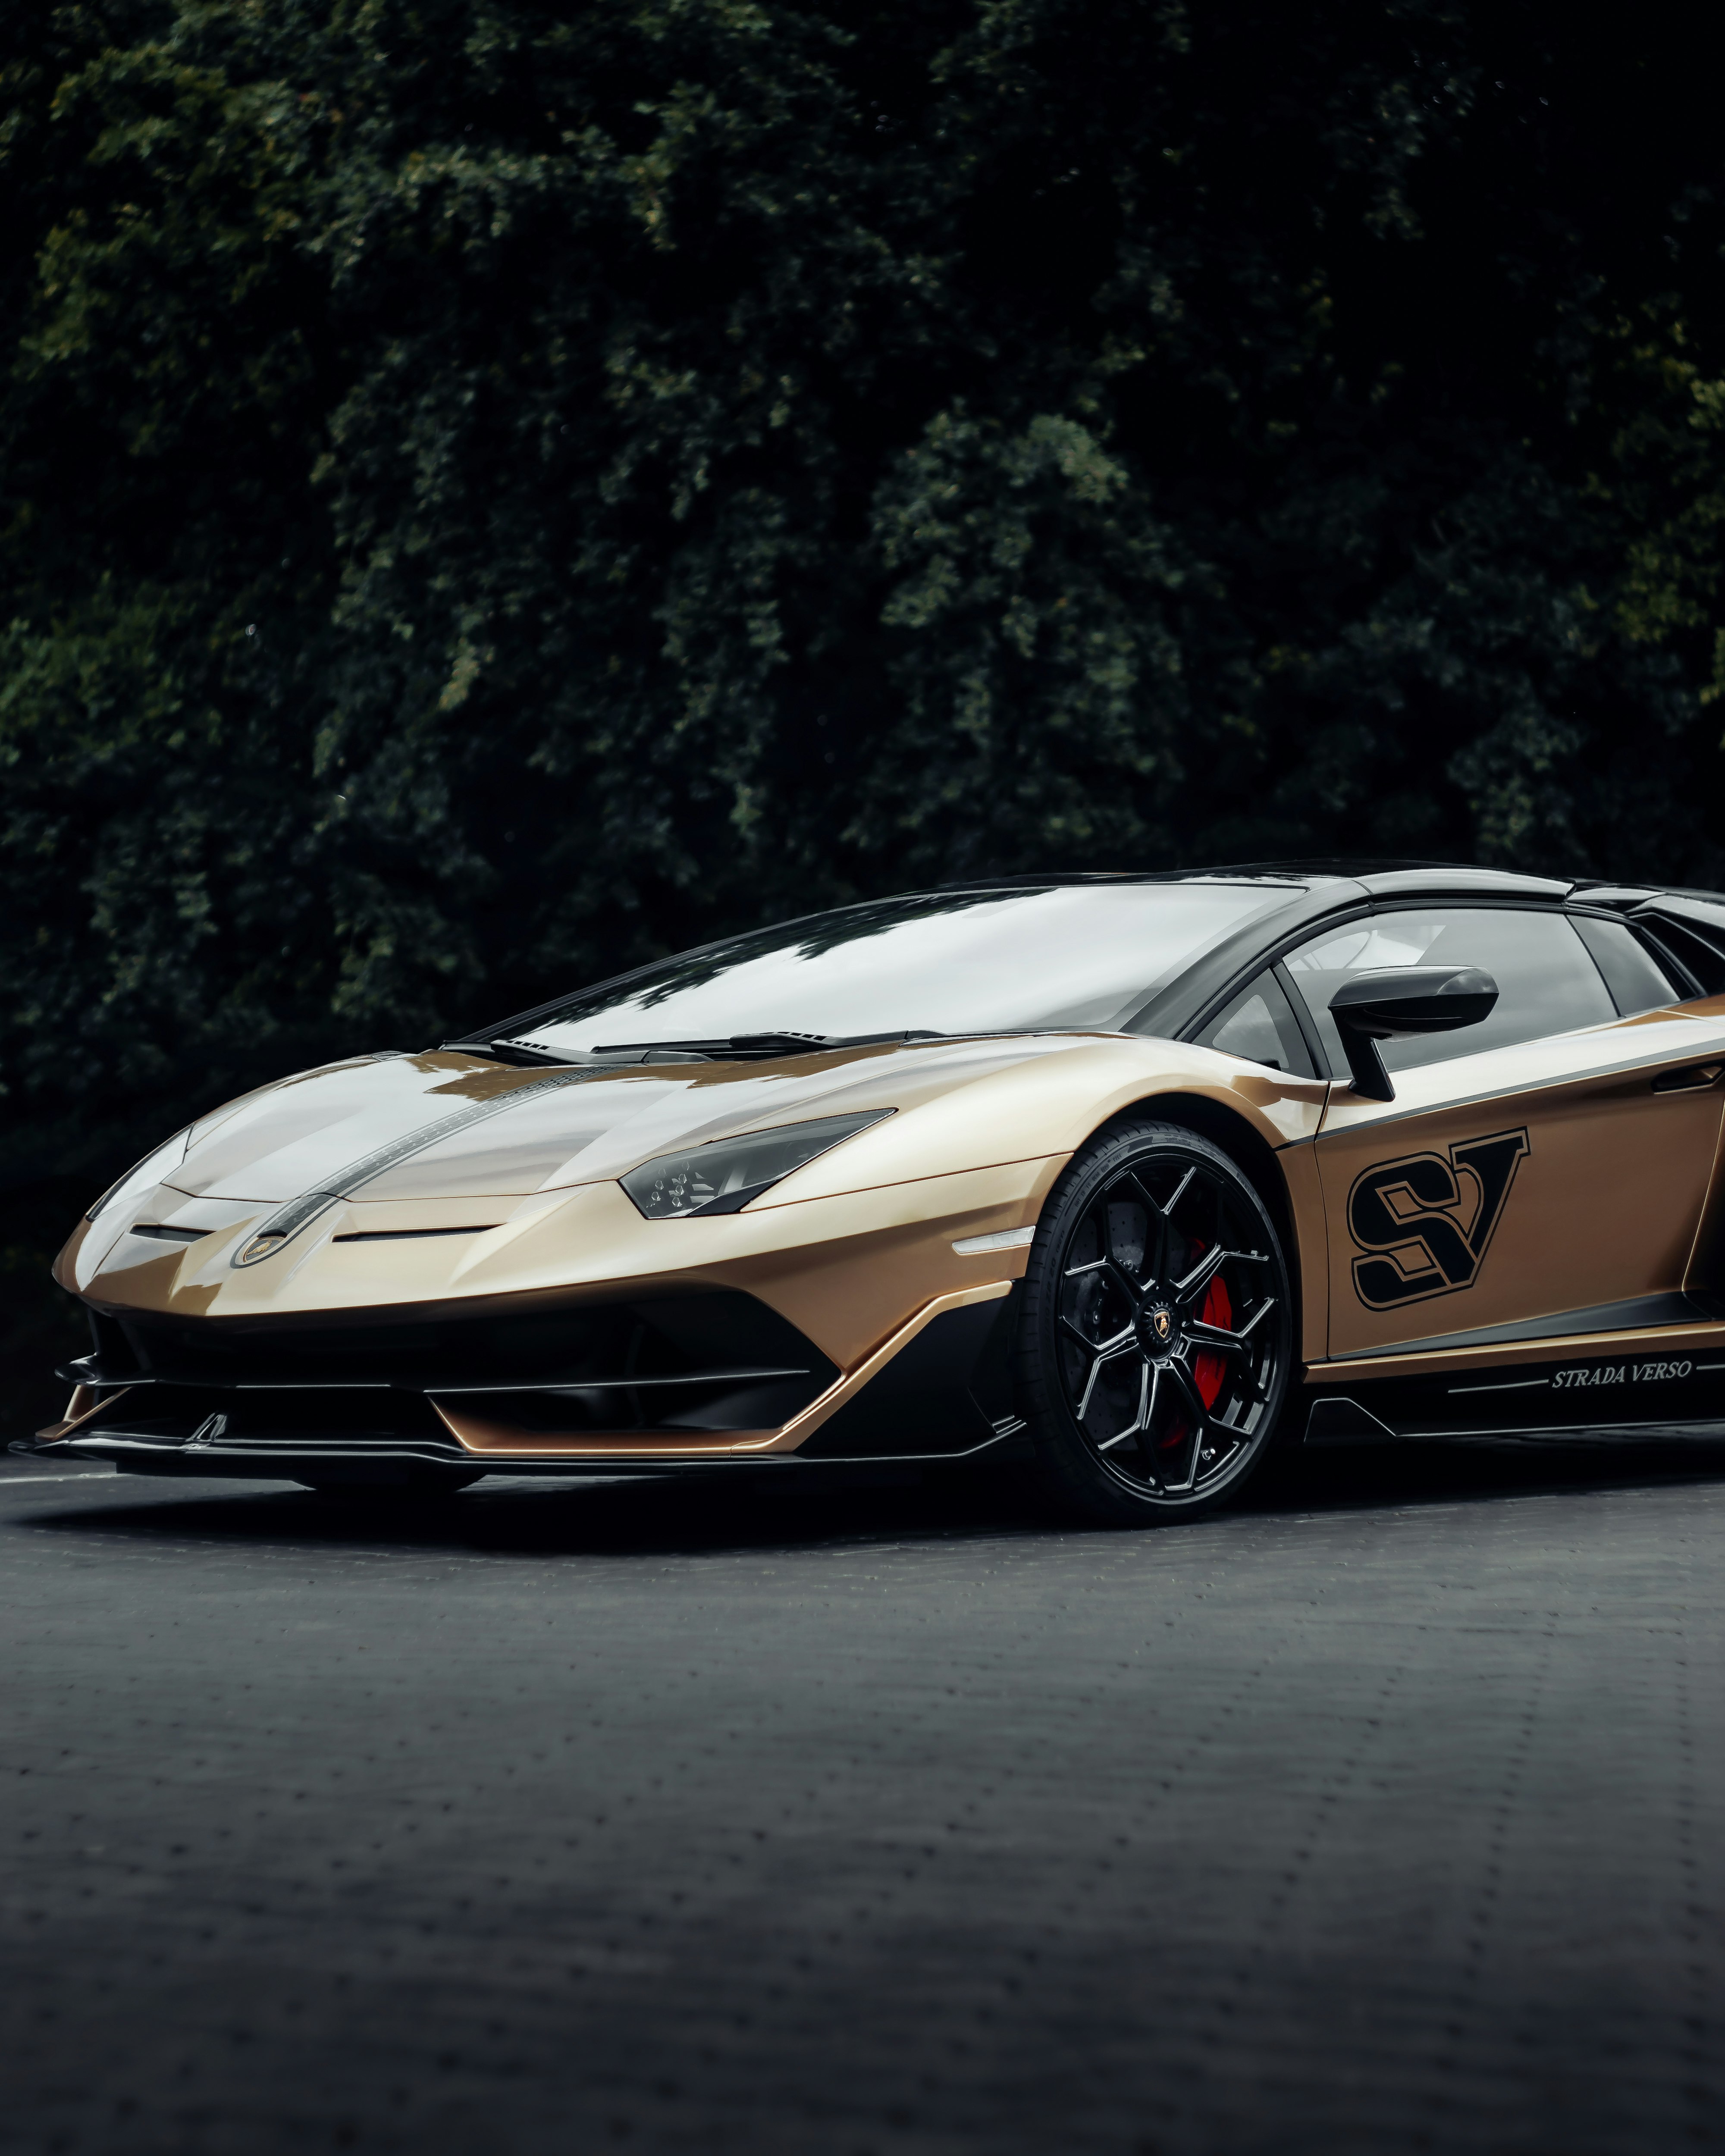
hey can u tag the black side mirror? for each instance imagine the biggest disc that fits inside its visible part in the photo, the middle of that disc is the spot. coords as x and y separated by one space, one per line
1399 1002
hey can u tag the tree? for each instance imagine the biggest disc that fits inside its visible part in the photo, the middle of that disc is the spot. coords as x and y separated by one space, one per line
494 491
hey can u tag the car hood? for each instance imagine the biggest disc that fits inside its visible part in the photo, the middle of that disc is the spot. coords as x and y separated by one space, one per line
448 1124
400 1179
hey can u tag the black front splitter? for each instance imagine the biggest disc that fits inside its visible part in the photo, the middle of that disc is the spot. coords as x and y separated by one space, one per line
408 1462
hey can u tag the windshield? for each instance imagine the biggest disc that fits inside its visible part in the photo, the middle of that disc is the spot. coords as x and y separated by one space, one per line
968 961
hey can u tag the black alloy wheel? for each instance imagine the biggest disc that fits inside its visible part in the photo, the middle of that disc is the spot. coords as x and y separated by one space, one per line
1157 1336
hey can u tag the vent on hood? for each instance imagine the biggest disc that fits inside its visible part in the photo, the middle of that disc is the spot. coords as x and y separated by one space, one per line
410 1235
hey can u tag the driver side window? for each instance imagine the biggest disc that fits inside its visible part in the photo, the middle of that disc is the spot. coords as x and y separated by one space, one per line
1547 982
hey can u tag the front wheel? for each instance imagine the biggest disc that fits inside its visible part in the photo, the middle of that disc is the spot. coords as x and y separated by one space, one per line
1157 1336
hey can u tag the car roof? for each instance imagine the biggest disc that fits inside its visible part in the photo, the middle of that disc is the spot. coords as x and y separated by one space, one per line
1376 876
1690 923
1339 889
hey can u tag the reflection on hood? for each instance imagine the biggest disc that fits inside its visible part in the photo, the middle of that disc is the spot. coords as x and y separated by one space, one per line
487 1131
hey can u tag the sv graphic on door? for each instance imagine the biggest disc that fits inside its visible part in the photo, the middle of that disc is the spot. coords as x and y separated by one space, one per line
1423 1223
1453 1208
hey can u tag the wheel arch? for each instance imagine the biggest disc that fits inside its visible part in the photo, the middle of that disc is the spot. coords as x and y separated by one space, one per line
1257 1160
1153 1129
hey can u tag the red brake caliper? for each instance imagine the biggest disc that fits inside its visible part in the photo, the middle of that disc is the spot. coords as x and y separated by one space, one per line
1209 1368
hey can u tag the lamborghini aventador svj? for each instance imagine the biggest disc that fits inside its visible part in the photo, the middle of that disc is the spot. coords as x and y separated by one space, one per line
1123 1178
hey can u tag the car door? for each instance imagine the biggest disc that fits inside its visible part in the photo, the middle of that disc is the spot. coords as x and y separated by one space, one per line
1542 1174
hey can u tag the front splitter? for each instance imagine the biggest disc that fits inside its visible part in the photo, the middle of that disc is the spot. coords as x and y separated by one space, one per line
263 1464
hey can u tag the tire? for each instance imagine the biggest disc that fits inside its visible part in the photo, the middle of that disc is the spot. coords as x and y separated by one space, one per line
1151 1373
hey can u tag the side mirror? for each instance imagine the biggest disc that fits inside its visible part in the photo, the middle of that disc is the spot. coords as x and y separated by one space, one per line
1399 1003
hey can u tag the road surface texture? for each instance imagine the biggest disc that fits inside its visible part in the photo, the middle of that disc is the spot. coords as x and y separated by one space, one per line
1385 1815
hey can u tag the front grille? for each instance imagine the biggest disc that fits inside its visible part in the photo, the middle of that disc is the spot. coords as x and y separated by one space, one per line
717 1362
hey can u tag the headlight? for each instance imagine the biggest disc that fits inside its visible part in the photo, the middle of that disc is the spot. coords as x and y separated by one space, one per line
723 1177
149 1171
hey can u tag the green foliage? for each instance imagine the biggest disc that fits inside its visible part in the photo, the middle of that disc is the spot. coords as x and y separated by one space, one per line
493 490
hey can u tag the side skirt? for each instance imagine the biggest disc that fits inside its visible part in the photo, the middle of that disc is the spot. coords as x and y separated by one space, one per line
1617 1395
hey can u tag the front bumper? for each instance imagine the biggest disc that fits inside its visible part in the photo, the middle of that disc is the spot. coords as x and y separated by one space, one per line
646 1388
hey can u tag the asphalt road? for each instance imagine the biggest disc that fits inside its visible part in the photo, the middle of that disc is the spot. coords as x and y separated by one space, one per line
1383 1815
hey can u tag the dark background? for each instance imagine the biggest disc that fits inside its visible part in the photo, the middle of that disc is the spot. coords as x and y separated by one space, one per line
493 492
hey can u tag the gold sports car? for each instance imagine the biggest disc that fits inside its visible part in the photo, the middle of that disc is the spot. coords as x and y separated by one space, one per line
1114 1176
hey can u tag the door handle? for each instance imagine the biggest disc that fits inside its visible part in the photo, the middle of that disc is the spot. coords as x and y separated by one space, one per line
1689 1079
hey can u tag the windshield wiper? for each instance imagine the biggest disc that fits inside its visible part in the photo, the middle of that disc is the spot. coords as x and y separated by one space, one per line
510 1052
757 1047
